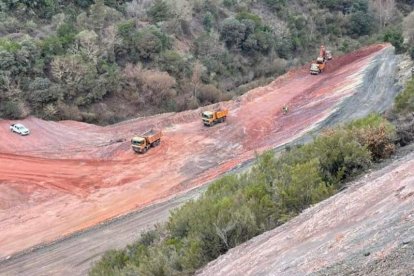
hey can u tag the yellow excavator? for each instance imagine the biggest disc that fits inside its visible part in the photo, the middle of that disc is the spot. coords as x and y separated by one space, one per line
320 64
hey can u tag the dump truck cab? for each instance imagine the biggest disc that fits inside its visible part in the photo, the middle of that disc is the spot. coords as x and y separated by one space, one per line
207 117
314 69
138 143
211 118
320 60
141 143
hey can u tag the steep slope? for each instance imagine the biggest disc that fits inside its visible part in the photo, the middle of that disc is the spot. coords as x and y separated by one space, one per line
68 176
366 230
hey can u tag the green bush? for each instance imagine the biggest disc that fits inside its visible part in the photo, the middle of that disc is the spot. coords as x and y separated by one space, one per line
404 102
343 6
9 45
396 38
174 64
275 5
229 3
411 52
361 23
159 11
11 109
208 21
232 32
375 133
208 94
244 15
301 187
110 264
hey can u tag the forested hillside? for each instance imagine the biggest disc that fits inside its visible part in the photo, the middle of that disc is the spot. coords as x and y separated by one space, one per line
107 60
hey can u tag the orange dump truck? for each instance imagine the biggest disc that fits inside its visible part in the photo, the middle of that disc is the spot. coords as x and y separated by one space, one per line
149 139
213 117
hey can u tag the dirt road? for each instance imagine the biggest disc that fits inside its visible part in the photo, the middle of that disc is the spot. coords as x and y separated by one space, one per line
68 176
74 255
368 229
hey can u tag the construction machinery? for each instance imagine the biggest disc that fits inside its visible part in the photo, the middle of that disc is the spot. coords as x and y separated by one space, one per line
328 55
151 138
211 118
320 64
285 109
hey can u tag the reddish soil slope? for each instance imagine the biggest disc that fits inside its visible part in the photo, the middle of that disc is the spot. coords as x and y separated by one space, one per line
67 176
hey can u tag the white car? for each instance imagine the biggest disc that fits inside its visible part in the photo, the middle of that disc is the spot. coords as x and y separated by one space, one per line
20 129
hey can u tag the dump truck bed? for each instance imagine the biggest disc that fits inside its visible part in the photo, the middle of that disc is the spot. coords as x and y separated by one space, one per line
221 113
152 135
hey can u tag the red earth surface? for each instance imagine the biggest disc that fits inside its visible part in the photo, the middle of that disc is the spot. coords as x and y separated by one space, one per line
67 176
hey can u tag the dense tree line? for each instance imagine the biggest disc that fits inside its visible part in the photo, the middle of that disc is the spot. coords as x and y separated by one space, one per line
106 60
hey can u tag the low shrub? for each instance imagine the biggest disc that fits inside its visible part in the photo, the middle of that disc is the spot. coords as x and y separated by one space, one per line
404 125
12 109
404 102
377 134
208 94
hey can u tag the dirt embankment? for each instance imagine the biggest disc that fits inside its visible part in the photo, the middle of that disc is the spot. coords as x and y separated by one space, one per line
67 176
367 229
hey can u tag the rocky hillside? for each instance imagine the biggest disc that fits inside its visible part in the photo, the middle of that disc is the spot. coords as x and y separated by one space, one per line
103 61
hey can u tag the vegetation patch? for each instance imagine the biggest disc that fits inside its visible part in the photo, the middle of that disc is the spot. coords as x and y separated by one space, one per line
72 59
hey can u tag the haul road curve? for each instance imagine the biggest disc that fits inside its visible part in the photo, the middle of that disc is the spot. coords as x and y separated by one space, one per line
68 176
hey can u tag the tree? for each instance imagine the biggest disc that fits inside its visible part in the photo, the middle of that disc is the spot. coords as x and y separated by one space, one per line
233 32
361 24
148 44
173 63
159 11
303 187
196 77
275 5
99 17
208 21
10 87
77 76
87 44
158 86
396 38
408 28
386 9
